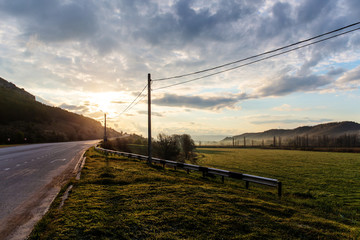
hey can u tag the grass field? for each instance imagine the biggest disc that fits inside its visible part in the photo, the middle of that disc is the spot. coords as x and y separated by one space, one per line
326 181
121 198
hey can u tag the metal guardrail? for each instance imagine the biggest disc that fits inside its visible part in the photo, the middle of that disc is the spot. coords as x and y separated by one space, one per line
206 171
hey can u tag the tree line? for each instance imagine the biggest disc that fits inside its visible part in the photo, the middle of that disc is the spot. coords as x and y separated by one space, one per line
302 141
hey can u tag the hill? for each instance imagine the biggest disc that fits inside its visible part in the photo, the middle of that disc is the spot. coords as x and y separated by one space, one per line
23 119
334 133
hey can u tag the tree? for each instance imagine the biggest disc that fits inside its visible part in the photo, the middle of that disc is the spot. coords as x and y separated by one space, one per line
167 147
187 145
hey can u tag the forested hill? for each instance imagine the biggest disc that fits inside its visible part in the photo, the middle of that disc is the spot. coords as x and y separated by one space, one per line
23 119
333 129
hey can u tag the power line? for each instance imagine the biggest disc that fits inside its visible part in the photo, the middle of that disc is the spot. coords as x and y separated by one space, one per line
138 101
134 100
258 55
259 60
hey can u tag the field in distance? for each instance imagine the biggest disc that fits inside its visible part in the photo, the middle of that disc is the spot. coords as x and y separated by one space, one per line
121 198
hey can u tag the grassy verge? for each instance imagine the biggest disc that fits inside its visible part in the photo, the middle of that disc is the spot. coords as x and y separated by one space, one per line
11 145
120 198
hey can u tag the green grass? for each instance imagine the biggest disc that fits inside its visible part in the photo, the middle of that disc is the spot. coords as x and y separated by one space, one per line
120 198
10 145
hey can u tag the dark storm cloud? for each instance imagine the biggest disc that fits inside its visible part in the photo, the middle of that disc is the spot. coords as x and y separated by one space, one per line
336 71
310 10
192 23
209 103
352 76
277 22
54 20
185 24
289 84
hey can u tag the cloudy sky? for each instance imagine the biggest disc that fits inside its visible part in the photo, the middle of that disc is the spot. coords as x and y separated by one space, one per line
93 56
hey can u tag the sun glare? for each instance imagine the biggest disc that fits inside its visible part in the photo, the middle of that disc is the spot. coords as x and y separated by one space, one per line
106 102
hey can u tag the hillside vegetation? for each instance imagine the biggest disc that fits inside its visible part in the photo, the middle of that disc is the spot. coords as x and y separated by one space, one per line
334 134
121 198
24 120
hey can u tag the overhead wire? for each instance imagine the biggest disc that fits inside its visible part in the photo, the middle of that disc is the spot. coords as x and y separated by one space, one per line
255 61
134 103
138 101
128 107
258 55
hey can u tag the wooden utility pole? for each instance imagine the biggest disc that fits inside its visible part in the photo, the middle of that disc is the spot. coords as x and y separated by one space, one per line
105 137
149 120
274 143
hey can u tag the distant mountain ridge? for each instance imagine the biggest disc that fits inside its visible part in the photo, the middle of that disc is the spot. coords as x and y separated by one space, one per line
332 129
24 120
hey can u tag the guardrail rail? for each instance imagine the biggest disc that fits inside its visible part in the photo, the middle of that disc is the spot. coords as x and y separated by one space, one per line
206 171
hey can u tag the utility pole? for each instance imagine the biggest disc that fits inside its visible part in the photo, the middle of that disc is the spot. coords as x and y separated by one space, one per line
149 119
105 137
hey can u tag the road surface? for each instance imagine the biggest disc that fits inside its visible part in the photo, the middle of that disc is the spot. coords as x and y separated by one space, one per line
30 178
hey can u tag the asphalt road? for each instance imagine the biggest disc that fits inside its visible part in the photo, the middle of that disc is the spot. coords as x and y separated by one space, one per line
28 174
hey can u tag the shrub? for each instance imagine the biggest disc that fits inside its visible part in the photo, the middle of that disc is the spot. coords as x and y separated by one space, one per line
167 147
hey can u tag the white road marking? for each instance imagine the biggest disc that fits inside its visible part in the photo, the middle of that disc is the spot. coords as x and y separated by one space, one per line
18 165
6 169
62 159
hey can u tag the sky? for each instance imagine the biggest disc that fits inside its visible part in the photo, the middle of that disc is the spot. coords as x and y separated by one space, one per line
93 57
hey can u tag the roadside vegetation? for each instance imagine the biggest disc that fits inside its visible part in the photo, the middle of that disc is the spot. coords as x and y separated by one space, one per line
121 198
180 148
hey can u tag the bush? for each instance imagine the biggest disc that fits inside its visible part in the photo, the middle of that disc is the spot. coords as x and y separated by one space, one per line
119 144
167 147
175 147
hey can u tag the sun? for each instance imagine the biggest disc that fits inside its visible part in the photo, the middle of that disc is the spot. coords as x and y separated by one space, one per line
105 102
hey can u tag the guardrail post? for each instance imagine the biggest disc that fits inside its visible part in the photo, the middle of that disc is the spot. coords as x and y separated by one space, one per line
279 189
247 185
